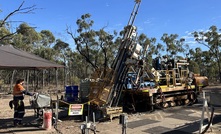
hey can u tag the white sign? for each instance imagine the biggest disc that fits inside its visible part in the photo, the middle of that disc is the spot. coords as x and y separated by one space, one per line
76 109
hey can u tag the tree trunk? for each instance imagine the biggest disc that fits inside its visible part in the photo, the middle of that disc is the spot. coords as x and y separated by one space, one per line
12 79
27 80
43 83
65 76
218 60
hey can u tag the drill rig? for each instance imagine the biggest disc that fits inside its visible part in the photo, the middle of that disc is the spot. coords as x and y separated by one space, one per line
106 91
129 85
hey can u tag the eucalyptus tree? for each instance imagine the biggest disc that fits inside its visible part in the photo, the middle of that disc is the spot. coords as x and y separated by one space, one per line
5 24
212 40
174 46
47 38
150 48
43 47
62 48
28 37
195 60
76 70
95 46
208 62
62 53
84 41
106 49
4 31
202 63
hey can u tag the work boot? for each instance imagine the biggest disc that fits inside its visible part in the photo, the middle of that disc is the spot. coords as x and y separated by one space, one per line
19 124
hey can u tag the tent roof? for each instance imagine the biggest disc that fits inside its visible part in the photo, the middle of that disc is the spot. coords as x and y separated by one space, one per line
11 57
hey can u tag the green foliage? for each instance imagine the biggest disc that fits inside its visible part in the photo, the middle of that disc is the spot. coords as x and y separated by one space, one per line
47 37
62 49
4 32
149 48
28 37
76 80
174 46
212 40
194 67
96 46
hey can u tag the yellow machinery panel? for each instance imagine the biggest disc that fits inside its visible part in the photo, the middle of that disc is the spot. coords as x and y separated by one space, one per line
98 92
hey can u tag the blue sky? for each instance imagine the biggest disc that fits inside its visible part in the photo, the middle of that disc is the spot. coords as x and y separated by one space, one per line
154 17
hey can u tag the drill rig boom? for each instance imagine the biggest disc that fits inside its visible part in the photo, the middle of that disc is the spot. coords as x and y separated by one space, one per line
107 91
128 50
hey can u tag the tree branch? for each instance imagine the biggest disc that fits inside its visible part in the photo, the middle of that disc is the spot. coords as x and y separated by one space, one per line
86 56
18 10
8 35
203 43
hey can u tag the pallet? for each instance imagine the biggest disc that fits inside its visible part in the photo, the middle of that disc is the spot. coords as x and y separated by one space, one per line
114 112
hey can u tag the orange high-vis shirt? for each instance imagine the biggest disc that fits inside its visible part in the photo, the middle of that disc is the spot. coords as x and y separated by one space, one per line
18 90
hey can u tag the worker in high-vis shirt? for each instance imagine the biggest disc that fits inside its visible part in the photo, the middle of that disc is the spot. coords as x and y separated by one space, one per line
18 96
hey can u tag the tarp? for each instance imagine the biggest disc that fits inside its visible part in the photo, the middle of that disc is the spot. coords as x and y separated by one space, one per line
11 57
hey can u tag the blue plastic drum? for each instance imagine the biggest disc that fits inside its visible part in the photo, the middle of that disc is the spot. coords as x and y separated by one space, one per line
68 94
75 92
71 93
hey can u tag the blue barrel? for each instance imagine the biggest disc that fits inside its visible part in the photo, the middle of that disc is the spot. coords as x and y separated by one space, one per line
75 92
71 93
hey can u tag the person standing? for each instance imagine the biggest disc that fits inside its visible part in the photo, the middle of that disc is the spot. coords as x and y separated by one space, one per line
18 97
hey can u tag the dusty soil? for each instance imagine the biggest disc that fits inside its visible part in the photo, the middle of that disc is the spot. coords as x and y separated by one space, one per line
66 124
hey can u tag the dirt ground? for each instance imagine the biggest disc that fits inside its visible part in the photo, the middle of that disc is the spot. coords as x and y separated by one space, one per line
71 124
66 124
